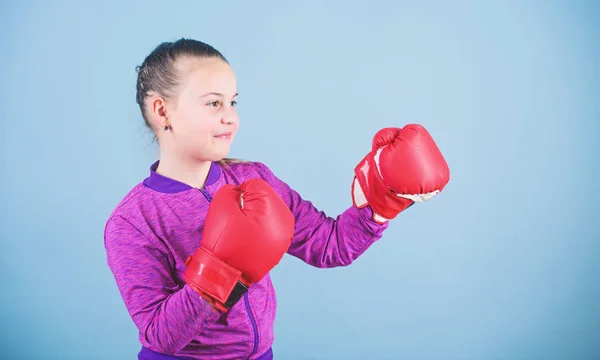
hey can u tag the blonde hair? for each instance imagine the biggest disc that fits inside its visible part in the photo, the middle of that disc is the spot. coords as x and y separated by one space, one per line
227 161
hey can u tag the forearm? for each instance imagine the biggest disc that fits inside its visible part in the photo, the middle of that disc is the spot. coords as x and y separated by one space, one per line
323 241
330 242
177 320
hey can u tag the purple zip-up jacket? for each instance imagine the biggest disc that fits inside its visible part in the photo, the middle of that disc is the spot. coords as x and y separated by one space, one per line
159 223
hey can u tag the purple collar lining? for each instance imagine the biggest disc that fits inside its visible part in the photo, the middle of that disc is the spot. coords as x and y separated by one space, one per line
167 185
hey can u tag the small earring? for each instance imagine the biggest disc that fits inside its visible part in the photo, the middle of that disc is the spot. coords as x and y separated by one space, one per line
166 127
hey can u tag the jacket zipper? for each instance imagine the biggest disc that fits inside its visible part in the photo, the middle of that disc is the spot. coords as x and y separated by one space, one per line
253 321
246 300
206 194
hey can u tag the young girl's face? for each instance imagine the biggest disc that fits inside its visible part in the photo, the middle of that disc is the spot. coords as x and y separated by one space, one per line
203 117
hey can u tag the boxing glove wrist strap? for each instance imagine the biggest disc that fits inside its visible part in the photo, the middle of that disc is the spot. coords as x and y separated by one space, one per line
216 281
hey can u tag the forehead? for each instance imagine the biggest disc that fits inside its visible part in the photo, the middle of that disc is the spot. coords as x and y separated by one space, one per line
206 75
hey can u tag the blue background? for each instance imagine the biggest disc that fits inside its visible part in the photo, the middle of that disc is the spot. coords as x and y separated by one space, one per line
504 264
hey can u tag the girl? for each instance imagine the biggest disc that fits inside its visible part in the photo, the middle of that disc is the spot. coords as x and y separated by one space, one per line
186 91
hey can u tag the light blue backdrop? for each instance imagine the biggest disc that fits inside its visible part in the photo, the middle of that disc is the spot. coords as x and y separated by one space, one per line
503 265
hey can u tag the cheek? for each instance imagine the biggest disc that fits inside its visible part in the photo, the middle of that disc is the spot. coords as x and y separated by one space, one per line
199 122
204 127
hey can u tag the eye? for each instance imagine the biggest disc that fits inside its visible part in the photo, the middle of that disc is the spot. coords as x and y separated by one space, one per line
213 103
234 103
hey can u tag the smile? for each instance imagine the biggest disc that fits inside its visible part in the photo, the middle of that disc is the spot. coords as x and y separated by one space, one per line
226 136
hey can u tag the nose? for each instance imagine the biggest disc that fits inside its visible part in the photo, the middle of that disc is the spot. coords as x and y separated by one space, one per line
230 116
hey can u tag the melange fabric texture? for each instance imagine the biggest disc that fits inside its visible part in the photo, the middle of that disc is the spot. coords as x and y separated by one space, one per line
159 223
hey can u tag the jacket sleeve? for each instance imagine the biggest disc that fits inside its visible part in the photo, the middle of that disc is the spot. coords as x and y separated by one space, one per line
167 316
320 240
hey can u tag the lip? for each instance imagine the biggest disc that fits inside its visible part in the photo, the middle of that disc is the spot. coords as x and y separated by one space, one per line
224 136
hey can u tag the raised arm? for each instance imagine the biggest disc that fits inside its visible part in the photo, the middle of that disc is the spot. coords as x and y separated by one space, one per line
320 240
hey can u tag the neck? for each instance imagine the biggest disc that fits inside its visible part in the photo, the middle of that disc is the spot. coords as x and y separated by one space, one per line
188 171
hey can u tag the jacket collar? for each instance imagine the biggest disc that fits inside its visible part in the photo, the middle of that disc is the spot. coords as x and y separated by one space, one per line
163 184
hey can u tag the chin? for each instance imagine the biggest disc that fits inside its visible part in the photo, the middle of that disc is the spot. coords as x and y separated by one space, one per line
218 156
215 153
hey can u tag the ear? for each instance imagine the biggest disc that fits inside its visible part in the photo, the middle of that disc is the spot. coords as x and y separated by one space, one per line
158 111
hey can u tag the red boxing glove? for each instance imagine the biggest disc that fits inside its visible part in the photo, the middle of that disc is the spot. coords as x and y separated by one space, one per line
405 166
247 231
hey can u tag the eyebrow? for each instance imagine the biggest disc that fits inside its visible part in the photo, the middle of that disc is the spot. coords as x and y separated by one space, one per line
217 94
